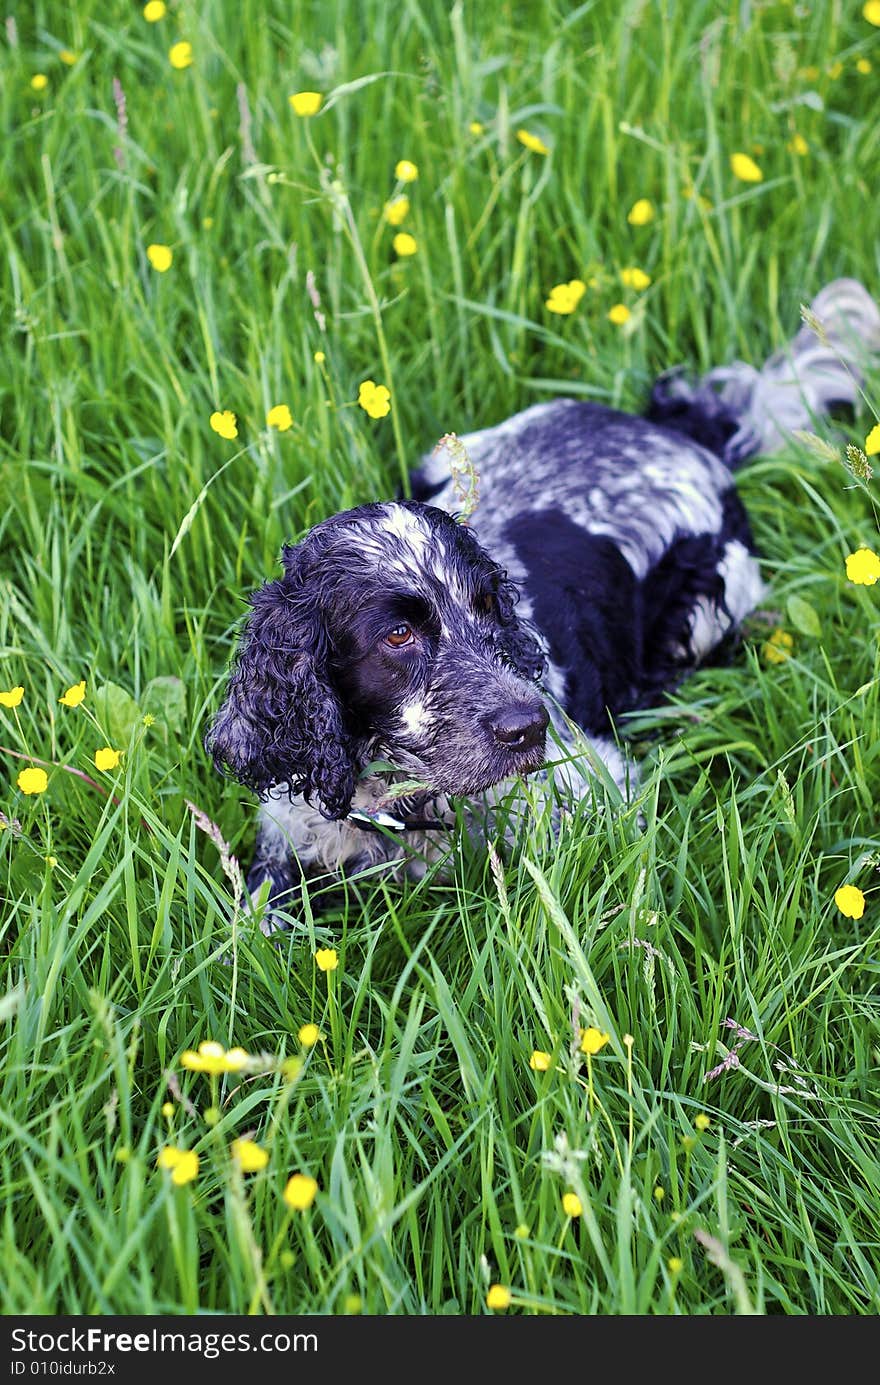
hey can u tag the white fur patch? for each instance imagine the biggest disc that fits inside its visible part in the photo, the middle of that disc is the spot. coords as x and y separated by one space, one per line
406 526
709 623
743 590
743 587
296 829
414 717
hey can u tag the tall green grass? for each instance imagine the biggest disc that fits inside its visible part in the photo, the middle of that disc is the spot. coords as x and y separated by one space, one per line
131 533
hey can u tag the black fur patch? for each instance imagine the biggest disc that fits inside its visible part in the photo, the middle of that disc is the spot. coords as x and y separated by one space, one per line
620 641
585 601
696 412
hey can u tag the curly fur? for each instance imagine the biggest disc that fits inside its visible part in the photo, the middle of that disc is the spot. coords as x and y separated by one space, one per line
282 665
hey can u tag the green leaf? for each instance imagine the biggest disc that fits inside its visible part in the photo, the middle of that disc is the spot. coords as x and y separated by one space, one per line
118 714
165 699
803 617
27 872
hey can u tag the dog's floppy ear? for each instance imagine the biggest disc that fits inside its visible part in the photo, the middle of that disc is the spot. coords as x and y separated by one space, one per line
516 641
281 722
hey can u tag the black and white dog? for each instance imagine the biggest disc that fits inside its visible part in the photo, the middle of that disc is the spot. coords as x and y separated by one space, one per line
608 555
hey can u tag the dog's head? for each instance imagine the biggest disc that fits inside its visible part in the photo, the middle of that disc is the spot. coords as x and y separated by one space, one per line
392 635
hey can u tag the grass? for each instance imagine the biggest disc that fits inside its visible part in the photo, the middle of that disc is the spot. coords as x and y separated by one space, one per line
131 533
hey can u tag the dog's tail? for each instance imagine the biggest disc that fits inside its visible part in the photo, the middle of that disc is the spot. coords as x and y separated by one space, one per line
739 411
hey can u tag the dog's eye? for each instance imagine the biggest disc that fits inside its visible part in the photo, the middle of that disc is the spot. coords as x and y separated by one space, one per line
399 636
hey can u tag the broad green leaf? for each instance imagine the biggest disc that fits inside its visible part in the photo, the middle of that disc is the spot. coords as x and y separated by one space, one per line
803 617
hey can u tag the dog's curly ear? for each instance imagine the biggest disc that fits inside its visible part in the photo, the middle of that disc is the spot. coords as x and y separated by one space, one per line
281 722
516 641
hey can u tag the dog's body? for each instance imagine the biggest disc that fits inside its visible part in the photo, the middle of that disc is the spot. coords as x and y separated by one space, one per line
608 555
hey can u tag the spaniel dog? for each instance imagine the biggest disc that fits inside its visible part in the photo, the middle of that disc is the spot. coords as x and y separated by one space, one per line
405 659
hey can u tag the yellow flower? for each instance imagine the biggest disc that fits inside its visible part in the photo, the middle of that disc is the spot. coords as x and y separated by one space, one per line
745 168
234 1060
397 210
540 1061
498 1297
871 12
280 417
196 1062
107 758
180 55
74 696
300 1192
186 1167
224 423
532 142
476 127
213 1058
160 257
633 278
778 647
675 1264
872 441
863 567
564 298
702 1121
39 81
405 171
183 1163
67 57
641 212
405 244
592 1040
32 780
850 901
374 399
798 145
327 958
306 102
309 1035
155 10
249 1156
320 358
12 698
619 314
211 1051
864 66
167 1109
572 1205
659 1193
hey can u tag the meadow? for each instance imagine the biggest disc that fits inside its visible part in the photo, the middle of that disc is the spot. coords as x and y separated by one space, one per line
198 277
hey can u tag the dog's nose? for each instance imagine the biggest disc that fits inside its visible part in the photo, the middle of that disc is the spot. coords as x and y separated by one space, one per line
521 726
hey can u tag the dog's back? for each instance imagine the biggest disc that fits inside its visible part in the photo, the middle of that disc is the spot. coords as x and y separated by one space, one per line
625 534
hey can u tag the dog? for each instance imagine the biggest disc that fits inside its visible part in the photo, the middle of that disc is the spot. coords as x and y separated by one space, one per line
406 661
